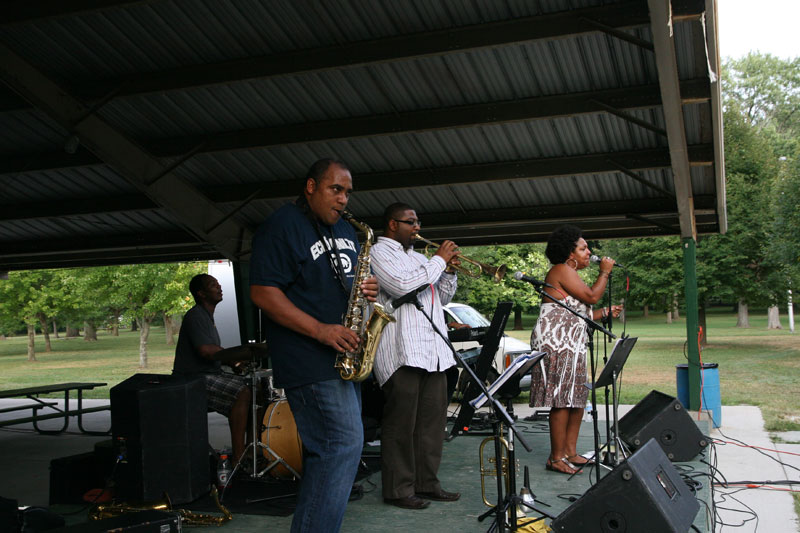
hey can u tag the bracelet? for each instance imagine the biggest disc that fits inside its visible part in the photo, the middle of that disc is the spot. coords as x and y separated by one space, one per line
604 272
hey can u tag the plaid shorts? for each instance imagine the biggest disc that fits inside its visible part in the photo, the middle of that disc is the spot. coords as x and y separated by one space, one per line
222 390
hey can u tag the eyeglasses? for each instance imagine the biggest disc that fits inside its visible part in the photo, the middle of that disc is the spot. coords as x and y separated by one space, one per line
412 222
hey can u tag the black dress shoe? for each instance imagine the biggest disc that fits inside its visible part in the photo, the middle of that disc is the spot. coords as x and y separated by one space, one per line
440 496
409 502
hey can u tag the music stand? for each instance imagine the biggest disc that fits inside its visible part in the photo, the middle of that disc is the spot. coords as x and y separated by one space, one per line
507 386
608 376
490 344
510 377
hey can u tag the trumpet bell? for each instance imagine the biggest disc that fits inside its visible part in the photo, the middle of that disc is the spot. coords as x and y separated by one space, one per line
478 268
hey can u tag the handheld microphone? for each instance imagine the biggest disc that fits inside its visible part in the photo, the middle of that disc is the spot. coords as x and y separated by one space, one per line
596 259
391 306
521 276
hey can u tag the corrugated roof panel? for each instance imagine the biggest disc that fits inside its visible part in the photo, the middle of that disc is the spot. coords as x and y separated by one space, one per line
30 132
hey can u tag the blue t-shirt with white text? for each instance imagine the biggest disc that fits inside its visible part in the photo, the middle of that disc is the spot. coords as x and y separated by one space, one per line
289 255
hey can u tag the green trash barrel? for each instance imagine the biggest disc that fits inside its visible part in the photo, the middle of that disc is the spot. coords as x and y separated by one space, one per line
710 399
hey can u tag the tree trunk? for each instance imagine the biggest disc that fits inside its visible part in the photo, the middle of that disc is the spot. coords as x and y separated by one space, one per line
72 332
89 330
669 316
701 320
168 330
144 333
646 311
46 333
742 318
518 319
115 325
134 324
675 306
31 338
773 318
55 329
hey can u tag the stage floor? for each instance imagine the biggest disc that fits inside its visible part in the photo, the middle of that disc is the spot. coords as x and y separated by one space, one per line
27 480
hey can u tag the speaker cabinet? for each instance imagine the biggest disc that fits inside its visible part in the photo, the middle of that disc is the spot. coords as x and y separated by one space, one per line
663 418
644 494
160 427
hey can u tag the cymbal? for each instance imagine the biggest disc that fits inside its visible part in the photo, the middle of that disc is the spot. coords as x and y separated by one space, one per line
253 350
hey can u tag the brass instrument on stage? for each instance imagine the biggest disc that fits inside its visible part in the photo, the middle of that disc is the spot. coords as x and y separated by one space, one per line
489 468
188 518
478 268
356 366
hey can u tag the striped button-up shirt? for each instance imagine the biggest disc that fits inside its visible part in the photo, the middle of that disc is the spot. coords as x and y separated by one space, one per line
411 341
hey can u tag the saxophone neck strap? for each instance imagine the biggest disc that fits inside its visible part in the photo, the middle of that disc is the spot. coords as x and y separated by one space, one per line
332 251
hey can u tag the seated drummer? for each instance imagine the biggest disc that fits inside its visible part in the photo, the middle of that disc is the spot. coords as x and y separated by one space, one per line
198 341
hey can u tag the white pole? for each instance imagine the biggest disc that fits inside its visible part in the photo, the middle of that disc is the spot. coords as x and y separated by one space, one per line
791 312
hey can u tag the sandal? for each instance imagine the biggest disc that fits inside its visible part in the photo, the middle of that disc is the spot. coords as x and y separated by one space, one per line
570 468
581 460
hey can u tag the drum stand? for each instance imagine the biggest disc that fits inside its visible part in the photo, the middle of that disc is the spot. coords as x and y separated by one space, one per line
256 446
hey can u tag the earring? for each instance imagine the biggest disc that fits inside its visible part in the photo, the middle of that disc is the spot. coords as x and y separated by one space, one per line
576 262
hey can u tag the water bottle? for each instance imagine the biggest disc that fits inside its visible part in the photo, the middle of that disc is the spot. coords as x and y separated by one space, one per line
223 471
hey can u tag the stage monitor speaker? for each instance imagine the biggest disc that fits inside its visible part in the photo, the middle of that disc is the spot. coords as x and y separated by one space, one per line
662 417
644 494
160 426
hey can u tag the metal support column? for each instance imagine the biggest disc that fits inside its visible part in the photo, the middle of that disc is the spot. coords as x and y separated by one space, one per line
692 320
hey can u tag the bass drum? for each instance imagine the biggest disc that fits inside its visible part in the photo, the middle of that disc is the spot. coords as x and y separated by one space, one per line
280 434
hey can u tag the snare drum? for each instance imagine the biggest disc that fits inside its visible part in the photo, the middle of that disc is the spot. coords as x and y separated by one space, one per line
280 435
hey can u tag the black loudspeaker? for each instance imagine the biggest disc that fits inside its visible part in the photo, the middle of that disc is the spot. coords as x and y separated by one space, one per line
160 427
71 477
644 494
661 417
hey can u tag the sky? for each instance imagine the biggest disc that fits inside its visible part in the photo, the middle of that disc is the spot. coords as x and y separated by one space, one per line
768 26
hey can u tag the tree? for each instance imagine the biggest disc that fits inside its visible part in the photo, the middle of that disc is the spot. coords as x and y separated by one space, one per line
765 90
654 267
762 126
25 297
152 290
483 292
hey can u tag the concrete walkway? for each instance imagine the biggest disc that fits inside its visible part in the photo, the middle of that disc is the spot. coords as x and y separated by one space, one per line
25 457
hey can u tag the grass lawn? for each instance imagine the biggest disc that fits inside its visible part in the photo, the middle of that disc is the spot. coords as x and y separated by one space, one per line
110 360
756 366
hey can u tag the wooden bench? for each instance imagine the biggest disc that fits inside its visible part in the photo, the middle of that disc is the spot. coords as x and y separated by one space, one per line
32 393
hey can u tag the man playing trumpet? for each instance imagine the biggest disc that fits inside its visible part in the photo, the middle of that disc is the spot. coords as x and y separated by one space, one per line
411 360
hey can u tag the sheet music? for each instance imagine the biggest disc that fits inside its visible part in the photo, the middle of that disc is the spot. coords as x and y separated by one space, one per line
522 364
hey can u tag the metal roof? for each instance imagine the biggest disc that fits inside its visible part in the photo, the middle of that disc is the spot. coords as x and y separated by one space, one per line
169 129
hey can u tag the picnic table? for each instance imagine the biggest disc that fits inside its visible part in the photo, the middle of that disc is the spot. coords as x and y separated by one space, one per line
37 405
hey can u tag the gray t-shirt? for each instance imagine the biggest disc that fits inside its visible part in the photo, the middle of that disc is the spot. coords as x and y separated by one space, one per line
197 329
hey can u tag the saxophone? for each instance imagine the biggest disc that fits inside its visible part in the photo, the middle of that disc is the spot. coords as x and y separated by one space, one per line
357 365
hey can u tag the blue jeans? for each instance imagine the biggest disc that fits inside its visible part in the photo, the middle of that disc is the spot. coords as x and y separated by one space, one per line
328 417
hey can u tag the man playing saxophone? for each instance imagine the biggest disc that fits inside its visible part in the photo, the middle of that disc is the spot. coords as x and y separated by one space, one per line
411 361
301 272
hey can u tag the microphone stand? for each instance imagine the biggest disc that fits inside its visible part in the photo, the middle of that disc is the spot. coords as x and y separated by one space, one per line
592 326
501 418
608 324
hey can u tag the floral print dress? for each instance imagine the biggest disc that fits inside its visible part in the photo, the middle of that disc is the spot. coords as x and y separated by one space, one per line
559 380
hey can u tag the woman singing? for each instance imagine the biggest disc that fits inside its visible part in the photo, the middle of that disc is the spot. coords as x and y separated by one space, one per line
559 381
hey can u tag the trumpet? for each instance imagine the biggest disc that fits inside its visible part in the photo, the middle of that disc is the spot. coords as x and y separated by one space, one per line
497 273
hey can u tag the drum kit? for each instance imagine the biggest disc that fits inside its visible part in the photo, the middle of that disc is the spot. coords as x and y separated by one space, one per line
279 441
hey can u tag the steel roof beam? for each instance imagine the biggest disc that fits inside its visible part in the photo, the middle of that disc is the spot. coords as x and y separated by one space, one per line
668 80
548 107
380 181
189 207
550 26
